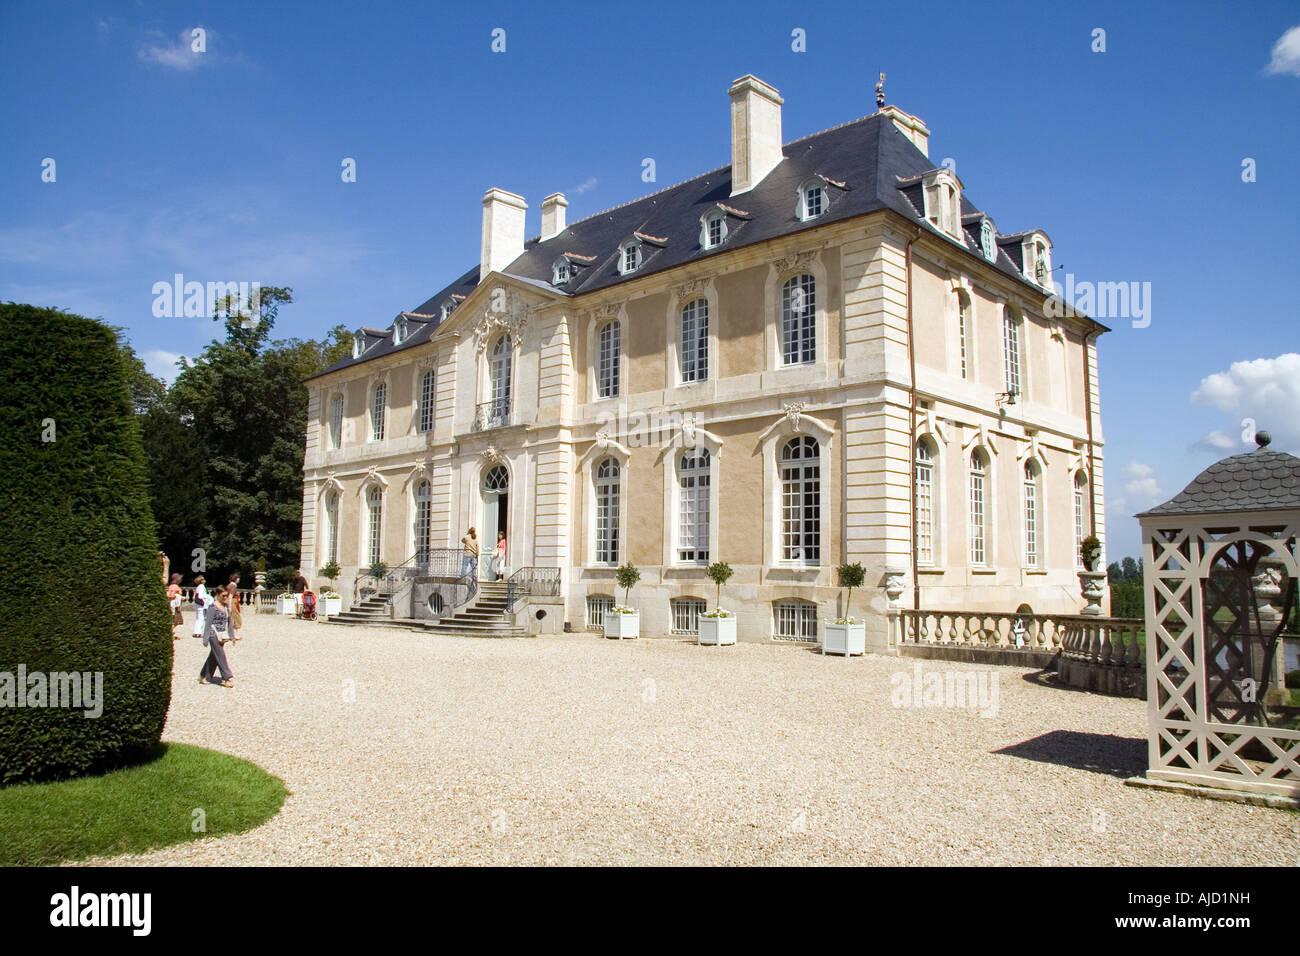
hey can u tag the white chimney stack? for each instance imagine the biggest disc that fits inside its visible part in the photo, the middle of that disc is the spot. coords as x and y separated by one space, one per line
503 230
553 207
755 132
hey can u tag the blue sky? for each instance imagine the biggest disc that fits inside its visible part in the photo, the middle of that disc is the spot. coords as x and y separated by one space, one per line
225 165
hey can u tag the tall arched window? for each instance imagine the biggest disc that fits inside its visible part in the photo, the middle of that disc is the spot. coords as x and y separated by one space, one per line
1033 520
924 503
331 527
1080 515
423 522
801 491
693 357
336 421
378 411
607 492
427 383
693 505
608 353
500 367
375 523
1011 351
978 509
799 320
963 332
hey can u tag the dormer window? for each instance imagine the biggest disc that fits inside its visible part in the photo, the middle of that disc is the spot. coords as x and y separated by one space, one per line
1040 263
448 308
629 259
1036 254
714 230
561 271
988 240
812 199
943 201
358 343
399 331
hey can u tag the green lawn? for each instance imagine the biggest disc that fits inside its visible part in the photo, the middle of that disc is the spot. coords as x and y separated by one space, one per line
136 809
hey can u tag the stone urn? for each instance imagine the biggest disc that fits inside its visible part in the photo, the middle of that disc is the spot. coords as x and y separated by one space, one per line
1092 587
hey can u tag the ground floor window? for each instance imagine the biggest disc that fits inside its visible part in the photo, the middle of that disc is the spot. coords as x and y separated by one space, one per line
686 615
598 605
795 621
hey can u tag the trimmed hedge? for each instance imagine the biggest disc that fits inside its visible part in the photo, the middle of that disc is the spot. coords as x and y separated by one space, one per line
78 549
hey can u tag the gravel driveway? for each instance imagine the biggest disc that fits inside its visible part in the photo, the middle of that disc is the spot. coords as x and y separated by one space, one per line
402 748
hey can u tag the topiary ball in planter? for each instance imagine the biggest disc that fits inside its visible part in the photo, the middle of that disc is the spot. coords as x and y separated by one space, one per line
78 555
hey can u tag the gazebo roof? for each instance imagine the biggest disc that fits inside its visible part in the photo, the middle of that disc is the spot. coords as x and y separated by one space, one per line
1260 480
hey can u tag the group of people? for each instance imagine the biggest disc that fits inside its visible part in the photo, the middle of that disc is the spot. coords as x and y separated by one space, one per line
470 562
217 620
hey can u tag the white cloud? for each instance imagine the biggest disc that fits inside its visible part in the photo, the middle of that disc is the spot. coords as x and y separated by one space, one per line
1217 442
1266 390
1286 53
585 186
161 363
180 55
1141 484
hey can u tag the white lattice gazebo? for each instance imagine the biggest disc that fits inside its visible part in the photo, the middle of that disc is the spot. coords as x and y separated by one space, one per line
1220 565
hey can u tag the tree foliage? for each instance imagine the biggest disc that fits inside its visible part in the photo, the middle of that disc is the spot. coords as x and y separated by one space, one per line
1126 588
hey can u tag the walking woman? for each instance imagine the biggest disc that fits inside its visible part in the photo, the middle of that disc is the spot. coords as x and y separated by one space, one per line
216 624
202 601
174 602
501 555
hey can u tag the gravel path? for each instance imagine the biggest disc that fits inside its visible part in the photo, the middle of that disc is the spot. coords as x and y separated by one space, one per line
401 748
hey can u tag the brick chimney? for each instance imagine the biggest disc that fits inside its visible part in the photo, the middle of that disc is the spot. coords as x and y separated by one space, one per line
911 127
755 132
503 230
553 207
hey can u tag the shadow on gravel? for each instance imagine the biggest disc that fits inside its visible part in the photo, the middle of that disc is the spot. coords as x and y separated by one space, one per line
1099 753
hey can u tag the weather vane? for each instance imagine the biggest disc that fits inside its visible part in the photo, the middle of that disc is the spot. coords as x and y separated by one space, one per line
880 93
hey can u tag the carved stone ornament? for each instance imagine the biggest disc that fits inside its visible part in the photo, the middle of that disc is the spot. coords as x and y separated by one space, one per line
793 411
491 455
795 259
691 289
602 439
506 311
688 430
608 311
895 582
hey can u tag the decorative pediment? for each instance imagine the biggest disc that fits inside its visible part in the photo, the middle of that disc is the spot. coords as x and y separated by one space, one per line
610 310
980 436
690 289
1031 449
506 311
492 455
932 424
795 260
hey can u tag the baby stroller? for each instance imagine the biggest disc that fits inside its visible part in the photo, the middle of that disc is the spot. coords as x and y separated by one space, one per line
307 608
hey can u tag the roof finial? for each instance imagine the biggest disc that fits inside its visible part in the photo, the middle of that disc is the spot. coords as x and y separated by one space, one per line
880 93
1262 439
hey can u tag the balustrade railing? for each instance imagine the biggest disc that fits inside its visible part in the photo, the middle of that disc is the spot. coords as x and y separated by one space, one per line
542 582
1100 640
493 414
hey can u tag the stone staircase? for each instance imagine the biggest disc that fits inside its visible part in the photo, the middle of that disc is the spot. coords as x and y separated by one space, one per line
485 616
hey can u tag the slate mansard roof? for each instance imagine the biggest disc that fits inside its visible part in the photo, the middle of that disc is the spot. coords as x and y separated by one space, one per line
1259 480
868 165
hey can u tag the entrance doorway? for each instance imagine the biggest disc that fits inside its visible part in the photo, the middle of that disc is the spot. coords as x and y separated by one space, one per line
496 509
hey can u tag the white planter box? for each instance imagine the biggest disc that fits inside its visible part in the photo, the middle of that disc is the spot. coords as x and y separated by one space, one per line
286 605
844 639
332 605
717 630
623 626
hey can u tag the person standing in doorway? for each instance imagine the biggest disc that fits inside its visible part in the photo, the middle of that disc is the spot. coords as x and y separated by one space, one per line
470 544
202 599
216 623
501 555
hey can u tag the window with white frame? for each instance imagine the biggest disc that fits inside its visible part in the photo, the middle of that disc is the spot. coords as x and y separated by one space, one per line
801 506
1011 352
1033 523
561 271
499 368
924 503
963 332
375 522
598 605
1080 516
713 230
331 527
693 356
358 343
607 501
427 383
423 522
978 509
378 411
812 199
629 257
448 308
336 421
608 355
693 506
1040 263
794 621
399 331
686 615
799 320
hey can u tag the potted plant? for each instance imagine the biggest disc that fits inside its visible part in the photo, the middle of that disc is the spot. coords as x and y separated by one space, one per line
1090 551
622 621
331 600
719 625
844 635
377 570
285 603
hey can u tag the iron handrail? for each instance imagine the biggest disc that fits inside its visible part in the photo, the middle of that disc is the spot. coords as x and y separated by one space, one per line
529 581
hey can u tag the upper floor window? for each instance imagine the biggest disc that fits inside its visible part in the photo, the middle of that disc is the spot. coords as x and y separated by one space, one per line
607 504
629 257
358 343
978 510
799 320
1033 522
336 421
399 331
608 356
499 368
693 355
988 241
427 384
1040 263
378 411
924 503
714 230
963 333
1011 352
812 199
800 468
561 271
1080 515
943 201
693 506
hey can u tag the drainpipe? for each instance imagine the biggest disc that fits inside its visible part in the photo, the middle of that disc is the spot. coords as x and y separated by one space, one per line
911 463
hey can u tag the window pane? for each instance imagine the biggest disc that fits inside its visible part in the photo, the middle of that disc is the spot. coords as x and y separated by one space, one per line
607 360
924 505
799 320
607 492
694 356
693 529
377 412
426 401
801 501
977 522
